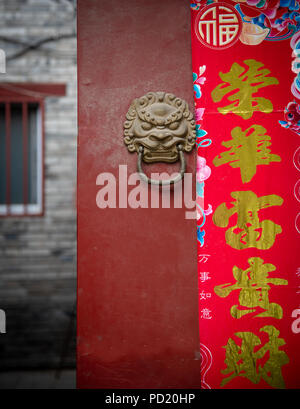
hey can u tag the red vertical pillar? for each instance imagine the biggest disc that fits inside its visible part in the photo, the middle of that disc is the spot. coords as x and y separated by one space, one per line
137 268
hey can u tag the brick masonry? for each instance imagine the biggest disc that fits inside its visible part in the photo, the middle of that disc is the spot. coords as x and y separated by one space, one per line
38 254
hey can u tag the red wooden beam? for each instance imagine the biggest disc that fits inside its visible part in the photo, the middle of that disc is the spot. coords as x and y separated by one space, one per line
32 89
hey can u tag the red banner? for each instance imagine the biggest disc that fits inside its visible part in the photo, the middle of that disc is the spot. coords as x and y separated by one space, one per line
247 93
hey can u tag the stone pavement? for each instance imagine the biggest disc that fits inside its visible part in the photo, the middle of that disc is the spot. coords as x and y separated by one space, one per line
38 379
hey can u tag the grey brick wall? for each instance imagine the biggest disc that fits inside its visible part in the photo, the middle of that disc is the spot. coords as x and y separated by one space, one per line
38 254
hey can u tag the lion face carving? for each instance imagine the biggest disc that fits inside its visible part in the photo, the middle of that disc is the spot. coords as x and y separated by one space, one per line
159 122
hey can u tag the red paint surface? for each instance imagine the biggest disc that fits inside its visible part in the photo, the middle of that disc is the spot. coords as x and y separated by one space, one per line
137 271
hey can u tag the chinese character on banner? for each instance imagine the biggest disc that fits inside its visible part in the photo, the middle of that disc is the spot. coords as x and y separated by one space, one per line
240 85
218 26
249 231
254 287
204 276
248 149
206 314
246 82
242 360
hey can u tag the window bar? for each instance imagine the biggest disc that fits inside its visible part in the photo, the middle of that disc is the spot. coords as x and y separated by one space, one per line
8 154
25 155
42 170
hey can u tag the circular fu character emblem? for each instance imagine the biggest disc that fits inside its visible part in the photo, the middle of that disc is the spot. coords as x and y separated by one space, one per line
218 26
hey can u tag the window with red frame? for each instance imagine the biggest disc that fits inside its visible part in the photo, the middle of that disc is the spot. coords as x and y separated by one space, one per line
21 158
21 147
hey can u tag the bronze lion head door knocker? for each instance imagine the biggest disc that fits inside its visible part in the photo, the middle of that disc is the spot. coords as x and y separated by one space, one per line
160 127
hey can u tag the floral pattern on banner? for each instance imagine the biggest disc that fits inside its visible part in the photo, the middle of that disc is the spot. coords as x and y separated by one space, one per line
203 171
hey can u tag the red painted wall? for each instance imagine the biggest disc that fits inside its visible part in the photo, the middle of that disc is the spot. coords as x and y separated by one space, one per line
137 269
